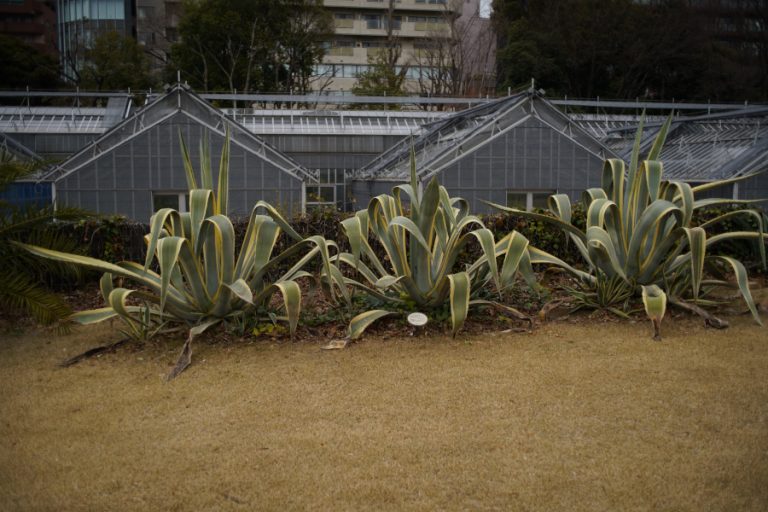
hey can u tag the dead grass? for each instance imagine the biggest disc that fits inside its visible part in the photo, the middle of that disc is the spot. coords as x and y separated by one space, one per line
561 419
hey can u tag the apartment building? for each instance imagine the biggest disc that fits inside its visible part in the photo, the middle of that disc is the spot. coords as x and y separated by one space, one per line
364 27
31 21
80 22
157 23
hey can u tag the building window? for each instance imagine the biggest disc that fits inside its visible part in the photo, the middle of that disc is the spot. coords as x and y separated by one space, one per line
528 199
145 38
372 20
179 201
397 22
321 195
323 70
145 12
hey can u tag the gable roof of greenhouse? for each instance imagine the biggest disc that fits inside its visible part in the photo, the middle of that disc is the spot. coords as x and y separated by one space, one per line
441 143
703 148
17 149
179 100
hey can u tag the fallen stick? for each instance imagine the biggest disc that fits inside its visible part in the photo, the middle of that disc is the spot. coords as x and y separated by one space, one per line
103 349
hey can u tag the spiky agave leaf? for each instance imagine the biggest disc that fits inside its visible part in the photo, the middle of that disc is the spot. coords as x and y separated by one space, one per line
422 231
201 281
639 230
360 322
655 302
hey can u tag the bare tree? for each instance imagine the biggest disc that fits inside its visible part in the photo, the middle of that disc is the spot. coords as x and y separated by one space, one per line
73 57
387 71
458 58
301 48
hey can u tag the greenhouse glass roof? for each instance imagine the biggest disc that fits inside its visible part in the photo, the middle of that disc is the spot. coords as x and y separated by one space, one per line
698 148
179 101
442 142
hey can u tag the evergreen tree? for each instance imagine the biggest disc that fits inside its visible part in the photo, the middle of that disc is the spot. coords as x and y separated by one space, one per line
626 49
23 66
115 62
250 45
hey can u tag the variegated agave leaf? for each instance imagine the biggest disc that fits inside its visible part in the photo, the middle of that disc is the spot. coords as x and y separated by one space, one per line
639 229
422 231
201 280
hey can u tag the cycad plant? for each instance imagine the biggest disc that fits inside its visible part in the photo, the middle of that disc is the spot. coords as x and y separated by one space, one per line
23 289
201 281
423 231
639 233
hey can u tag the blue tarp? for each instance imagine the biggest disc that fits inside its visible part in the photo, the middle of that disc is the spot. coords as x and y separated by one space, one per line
24 194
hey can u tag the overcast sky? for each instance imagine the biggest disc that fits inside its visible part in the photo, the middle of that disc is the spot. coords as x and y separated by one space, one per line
485 8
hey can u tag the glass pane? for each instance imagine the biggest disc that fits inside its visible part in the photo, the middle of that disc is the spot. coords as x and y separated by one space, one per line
326 194
165 201
517 200
540 199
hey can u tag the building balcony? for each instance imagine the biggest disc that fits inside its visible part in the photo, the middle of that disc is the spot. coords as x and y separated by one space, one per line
403 29
346 55
361 56
343 23
403 5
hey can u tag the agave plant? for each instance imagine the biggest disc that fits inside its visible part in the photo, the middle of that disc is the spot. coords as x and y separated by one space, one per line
423 231
201 281
639 232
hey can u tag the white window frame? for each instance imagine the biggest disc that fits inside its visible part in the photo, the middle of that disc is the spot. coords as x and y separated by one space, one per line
181 199
529 196
311 203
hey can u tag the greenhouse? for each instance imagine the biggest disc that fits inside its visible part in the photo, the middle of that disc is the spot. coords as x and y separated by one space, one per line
136 166
514 151
28 190
705 148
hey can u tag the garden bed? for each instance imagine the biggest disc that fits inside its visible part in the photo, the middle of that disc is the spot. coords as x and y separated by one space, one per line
580 414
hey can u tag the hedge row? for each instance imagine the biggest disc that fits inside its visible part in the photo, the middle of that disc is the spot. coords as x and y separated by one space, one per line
116 238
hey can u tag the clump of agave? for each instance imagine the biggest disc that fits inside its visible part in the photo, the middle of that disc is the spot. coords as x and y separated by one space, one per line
201 281
639 237
423 231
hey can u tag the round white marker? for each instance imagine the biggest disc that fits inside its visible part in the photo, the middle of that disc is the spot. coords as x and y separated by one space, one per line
417 319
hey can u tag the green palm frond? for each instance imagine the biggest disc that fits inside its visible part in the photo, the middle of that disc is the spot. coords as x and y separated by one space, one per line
18 292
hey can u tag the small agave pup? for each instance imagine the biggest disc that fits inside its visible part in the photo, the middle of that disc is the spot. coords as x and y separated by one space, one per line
201 282
639 233
423 231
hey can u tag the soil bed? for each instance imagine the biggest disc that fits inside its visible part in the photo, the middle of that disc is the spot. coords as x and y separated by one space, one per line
574 416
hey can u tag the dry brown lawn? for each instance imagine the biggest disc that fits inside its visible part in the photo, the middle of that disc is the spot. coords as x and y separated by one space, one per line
570 417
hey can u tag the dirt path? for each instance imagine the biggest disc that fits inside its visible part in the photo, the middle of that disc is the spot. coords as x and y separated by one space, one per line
571 417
